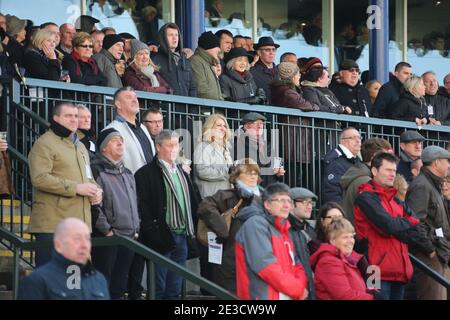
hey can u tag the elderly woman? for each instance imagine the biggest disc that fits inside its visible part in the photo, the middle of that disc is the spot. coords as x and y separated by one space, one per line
237 82
212 158
80 64
40 59
336 274
373 86
412 105
142 74
315 90
244 178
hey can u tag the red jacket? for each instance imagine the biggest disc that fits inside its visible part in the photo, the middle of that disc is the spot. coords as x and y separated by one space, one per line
387 224
136 79
337 277
264 260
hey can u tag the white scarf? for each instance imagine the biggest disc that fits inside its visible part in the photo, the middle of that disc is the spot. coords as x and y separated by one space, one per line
149 72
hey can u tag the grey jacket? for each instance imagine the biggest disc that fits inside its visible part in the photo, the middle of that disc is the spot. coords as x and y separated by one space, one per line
425 199
106 63
208 86
118 211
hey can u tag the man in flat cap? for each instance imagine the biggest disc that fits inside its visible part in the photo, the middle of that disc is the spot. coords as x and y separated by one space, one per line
424 197
349 90
206 57
410 150
250 143
302 231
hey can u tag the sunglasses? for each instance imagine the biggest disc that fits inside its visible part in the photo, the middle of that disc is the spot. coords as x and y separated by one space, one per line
353 70
90 46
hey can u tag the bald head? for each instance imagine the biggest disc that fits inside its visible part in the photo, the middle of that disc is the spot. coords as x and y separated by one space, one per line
72 240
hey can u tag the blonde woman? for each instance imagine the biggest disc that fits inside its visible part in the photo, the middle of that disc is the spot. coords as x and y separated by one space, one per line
142 74
412 106
40 59
212 157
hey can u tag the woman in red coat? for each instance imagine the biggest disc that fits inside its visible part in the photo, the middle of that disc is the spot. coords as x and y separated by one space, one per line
336 274
142 74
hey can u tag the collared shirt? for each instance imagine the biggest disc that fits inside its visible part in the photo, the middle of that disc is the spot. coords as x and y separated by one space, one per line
171 167
347 152
143 140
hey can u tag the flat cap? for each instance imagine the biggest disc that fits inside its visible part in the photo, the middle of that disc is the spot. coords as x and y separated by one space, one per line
302 193
409 136
348 64
252 117
432 153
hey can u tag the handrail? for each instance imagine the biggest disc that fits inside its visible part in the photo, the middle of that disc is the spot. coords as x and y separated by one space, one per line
236 105
33 115
136 247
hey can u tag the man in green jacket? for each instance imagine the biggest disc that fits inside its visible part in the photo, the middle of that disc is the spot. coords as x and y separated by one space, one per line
205 58
61 177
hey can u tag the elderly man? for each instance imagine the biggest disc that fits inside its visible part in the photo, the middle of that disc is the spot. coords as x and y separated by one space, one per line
69 275
167 207
67 32
424 197
438 106
138 150
153 121
337 162
61 177
411 143
118 213
390 91
266 267
109 60
249 143
206 56
265 71
445 89
84 131
349 90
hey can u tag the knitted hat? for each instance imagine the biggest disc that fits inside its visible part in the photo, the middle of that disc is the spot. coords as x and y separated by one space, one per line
137 45
14 25
110 40
104 137
208 40
311 62
287 70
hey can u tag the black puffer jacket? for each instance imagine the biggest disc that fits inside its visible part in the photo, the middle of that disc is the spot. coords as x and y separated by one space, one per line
323 97
236 88
175 68
408 108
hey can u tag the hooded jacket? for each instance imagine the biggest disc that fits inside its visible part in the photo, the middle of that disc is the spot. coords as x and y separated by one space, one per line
408 108
388 226
266 268
350 181
175 68
337 277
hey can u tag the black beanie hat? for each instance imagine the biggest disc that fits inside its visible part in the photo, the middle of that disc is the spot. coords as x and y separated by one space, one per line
104 136
208 40
110 40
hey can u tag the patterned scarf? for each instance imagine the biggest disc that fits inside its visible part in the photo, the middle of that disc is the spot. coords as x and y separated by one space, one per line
178 219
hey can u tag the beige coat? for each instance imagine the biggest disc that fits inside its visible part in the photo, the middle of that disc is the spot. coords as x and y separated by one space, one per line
56 167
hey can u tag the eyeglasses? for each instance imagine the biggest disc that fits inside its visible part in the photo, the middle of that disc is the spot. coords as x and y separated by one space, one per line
353 70
306 202
268 49
283 201
352 138
90 46
153 121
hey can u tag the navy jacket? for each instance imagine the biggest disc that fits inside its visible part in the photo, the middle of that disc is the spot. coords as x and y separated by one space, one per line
50 282
357 97
387 97
264 76
335 165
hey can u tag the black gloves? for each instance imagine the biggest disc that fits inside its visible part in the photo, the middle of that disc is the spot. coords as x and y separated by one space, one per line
261 95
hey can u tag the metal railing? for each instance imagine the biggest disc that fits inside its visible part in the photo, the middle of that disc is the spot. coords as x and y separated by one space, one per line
151 257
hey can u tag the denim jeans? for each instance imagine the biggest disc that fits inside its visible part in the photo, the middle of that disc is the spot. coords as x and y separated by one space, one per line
392 290
168 283
43 255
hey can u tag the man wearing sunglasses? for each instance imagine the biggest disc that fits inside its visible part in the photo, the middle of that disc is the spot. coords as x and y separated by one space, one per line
349 90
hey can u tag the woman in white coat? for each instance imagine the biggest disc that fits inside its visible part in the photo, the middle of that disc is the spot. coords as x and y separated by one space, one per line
212 157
